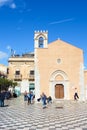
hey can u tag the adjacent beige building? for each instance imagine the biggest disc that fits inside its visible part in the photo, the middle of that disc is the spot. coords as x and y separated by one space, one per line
55 68
21 70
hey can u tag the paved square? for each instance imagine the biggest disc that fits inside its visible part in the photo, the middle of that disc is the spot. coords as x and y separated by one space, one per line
63 115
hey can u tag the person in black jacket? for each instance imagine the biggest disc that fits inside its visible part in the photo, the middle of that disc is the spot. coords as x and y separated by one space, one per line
2 98
49 99
76 94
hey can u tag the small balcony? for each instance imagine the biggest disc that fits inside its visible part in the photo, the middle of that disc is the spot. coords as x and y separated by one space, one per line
17 77
31 78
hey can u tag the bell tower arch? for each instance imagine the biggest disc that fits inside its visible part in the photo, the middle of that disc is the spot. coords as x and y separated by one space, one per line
41 39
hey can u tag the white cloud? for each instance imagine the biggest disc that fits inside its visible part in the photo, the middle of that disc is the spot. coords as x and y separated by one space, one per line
8 47
62 21
4 2
13 6
3 55
9 3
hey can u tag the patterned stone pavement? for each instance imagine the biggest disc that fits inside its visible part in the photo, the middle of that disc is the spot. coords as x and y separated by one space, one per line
63 115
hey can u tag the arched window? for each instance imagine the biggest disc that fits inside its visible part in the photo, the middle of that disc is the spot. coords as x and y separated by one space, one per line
41 41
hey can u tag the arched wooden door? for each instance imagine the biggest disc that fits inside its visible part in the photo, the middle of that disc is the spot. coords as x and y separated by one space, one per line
59 91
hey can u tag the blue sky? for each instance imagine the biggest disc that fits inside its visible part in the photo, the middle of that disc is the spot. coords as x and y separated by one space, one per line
64 19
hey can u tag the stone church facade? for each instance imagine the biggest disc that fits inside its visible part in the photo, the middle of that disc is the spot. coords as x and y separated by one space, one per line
57 68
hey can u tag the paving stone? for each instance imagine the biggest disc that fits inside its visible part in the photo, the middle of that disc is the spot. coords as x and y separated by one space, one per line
18 116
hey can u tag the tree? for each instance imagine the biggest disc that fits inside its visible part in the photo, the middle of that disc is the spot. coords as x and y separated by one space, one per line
5 83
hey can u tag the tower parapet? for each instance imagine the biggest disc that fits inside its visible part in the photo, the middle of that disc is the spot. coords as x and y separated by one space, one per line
41 39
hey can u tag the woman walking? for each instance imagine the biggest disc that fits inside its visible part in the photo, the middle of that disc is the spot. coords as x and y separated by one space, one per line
44 98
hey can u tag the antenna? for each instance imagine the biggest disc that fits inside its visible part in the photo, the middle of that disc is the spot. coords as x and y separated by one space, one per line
12 52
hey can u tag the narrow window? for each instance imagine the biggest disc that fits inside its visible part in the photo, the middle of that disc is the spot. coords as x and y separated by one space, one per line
31 72
7 70
17 72
41 40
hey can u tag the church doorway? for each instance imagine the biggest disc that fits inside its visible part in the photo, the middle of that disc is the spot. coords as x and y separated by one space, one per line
59 91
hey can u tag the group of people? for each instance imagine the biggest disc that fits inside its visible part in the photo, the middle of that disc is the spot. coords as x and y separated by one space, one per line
44 100
29 97
6 94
